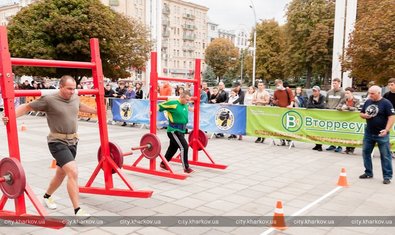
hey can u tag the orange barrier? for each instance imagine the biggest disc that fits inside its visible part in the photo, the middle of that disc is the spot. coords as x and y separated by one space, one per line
91 102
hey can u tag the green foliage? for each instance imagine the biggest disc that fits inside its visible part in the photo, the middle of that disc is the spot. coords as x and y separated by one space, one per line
371 52
209 76
309 30
221 56
61 29
270 49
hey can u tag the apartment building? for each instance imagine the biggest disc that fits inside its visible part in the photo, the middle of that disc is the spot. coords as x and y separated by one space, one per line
183 29
184 36
131 8
9 8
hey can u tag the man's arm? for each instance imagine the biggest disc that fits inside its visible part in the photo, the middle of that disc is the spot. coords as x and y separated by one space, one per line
87 109
390 123
19 111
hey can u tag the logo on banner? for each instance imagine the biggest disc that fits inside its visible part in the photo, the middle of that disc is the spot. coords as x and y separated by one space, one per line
224 119
292 121
125 110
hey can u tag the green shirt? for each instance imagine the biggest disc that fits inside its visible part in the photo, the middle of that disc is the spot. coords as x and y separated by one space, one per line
177 113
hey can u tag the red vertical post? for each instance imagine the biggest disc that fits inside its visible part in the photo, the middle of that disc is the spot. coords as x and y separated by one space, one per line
196 114
7 91
98 78
153 92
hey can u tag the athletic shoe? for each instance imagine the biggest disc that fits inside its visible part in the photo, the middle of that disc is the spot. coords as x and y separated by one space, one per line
163 166
49 203
338 149
81 214
188 171
386 181
258 140
330 148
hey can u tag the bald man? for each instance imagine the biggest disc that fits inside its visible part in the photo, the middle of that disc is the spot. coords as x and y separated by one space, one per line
379 115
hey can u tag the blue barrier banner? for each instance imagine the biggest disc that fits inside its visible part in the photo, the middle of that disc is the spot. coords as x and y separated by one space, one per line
223 118
217 118
130 110
136 111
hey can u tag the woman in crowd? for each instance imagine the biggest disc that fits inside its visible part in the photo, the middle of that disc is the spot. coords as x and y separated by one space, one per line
249 96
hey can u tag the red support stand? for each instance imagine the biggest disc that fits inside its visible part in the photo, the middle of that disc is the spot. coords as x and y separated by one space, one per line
152 170
154 78
7 91
106 164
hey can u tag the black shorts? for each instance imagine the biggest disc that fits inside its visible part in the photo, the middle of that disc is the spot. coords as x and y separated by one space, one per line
62 153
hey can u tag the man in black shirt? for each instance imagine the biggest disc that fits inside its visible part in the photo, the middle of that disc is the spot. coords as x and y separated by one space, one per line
379 115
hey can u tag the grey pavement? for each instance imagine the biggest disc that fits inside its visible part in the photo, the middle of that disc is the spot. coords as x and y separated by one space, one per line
257 176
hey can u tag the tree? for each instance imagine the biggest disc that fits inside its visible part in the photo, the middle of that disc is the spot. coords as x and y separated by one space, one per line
221 56
270 48
209 76
61 29
309 29
371 52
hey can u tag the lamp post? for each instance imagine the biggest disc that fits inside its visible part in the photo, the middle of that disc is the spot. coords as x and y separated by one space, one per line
254 52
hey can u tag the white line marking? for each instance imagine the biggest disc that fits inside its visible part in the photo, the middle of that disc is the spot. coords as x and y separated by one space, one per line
306 207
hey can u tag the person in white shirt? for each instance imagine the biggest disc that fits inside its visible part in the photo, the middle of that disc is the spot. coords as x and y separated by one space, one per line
249 96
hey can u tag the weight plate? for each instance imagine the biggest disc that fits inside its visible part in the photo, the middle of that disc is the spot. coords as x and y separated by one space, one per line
16 186
202 137
155 148
115 153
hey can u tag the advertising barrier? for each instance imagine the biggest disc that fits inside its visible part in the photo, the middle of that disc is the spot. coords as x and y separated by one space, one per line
319 126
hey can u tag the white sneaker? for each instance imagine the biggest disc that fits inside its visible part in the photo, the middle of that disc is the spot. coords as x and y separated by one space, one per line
81 214
49 202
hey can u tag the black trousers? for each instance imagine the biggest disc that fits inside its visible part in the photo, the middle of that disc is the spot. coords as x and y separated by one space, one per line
177 141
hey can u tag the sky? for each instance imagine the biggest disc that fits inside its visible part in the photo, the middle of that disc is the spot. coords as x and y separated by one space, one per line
234 14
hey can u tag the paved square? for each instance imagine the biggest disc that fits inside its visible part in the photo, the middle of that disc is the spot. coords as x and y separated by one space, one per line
257 176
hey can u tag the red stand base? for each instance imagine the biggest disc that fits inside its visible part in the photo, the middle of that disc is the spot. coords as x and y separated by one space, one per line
152 169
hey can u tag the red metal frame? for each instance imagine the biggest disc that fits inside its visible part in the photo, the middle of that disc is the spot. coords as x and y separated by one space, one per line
153 95
8 95
153 115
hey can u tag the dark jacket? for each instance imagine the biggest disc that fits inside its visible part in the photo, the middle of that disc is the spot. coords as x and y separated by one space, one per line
313 104
222 97
139 94
240 100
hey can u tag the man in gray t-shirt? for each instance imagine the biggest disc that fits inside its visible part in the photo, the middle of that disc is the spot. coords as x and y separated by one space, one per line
62 112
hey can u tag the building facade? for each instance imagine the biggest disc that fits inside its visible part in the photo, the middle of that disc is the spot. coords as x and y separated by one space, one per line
131 8
10 8
184 37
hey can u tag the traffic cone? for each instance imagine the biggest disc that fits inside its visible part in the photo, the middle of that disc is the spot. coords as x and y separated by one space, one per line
53 164
23 127
343 178
278 217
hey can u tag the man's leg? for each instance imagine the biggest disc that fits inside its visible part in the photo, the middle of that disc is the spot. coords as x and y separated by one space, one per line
56 180
183 145
385 157
71 172
173 147
367 149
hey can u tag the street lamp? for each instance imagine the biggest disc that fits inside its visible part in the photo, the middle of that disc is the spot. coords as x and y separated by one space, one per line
254 52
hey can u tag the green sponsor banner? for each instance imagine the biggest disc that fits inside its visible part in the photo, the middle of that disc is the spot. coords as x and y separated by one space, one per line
309 125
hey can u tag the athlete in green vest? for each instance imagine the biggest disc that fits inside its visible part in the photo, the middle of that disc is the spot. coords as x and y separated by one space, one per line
178 118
